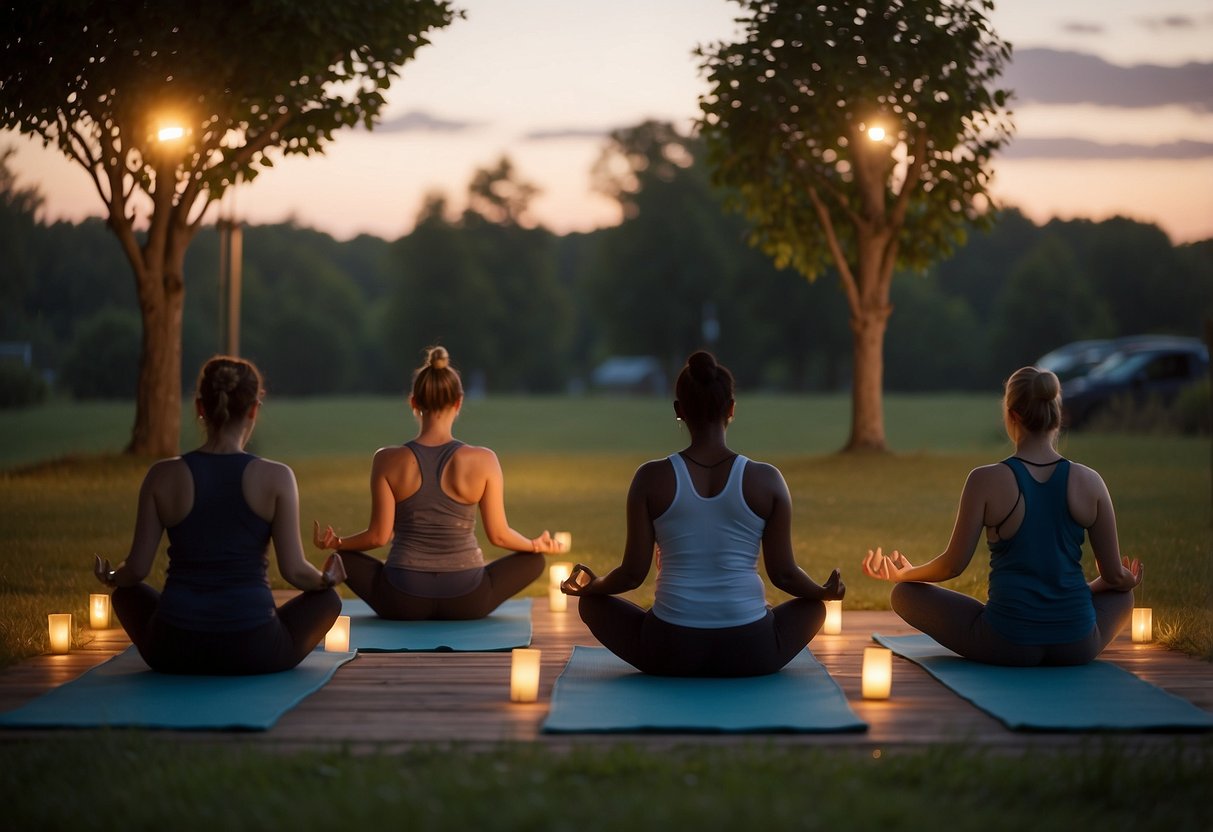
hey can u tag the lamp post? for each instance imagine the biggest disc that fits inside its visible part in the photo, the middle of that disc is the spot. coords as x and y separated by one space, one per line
231 244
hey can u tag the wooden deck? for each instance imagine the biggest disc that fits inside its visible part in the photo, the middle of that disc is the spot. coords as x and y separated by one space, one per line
393 700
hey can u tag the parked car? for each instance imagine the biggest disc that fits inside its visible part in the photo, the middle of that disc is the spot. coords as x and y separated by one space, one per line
1076 359
1140 370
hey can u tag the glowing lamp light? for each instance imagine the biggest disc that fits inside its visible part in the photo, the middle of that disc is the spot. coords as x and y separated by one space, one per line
558 573
337 640
833 623
99 611
557 600
876 134
1143 625
170 133
877 672
564 541
524 674
60 626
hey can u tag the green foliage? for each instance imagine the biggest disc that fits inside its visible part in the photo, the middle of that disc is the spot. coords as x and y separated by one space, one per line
1047 298
20 386
789 105
80 74
102 361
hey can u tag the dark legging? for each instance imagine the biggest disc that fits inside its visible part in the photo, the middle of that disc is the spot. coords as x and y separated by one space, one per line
654 646
277 645
503 578
958 622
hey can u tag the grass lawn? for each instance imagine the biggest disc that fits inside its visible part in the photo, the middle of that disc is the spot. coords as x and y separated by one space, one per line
568 463
133 781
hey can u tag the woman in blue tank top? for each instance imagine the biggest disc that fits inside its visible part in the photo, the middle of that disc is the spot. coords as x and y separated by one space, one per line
1035 508
707 511
424 499
221 507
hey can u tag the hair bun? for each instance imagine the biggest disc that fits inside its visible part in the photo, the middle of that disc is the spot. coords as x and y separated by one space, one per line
1045 387
438 358
703 366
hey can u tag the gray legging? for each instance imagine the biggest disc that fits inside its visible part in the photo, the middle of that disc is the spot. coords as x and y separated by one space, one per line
654 646
958 622
503 578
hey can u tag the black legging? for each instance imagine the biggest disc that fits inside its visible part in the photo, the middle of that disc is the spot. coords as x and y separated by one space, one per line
503 578
654 646
277 645
958 622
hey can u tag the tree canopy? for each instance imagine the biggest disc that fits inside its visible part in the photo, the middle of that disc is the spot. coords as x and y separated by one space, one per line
857 134
105 80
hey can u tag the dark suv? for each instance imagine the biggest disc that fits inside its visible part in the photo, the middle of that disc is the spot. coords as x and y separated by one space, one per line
1154 368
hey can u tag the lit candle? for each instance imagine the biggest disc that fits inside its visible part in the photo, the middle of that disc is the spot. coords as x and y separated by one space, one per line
60 626
564 541
877 672
833 625
99 611
337 640
559 572
524 675
1143 624
557 600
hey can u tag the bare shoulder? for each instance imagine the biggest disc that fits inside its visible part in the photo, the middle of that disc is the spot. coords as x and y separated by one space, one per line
477 455
271 471
391 455
994 474
1086 478
654 471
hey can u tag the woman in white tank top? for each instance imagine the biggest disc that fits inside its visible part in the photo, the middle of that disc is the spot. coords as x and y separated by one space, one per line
707 512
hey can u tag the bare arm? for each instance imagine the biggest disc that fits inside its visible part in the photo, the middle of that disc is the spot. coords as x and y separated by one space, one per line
1116 574
638 548
952 561
492 511
284 531
149 528
778 558
383 512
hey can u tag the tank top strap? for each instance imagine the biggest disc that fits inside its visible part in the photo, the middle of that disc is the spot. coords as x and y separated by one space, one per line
733 484
682 476
432 460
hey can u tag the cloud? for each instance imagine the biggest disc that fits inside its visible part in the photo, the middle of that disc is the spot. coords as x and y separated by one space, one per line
567 133
1049 76
1081 27
1061 148
1175 21
417 121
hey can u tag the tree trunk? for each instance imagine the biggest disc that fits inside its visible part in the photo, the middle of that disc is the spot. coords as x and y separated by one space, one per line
867 380
160 285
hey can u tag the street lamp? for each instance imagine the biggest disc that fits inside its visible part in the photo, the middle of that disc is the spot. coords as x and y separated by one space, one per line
231 259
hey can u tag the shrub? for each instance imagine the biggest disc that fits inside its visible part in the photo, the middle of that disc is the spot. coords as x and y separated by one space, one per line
103 359
20 386
1194 409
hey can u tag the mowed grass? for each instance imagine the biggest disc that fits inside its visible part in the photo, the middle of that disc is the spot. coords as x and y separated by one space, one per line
568 463
123 780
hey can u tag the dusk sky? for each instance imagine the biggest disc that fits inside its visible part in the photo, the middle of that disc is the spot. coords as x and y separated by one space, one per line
1114 115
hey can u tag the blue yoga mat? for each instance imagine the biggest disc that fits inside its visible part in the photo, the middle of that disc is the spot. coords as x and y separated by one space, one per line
507 627
597 692
1092 697
123 692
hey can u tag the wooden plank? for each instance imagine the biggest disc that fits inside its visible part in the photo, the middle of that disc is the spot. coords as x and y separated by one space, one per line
393 700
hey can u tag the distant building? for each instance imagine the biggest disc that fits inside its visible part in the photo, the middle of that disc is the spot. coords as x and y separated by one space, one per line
20 351
637 375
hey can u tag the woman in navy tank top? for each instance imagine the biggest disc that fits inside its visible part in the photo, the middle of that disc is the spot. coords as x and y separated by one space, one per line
424 498
707 511
1035 507
221 507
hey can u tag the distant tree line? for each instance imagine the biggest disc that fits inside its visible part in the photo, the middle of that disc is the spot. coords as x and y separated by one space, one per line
524 310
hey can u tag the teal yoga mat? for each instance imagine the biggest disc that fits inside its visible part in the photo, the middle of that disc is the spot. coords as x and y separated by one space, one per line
123 692
507 627
599 692
1092 697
